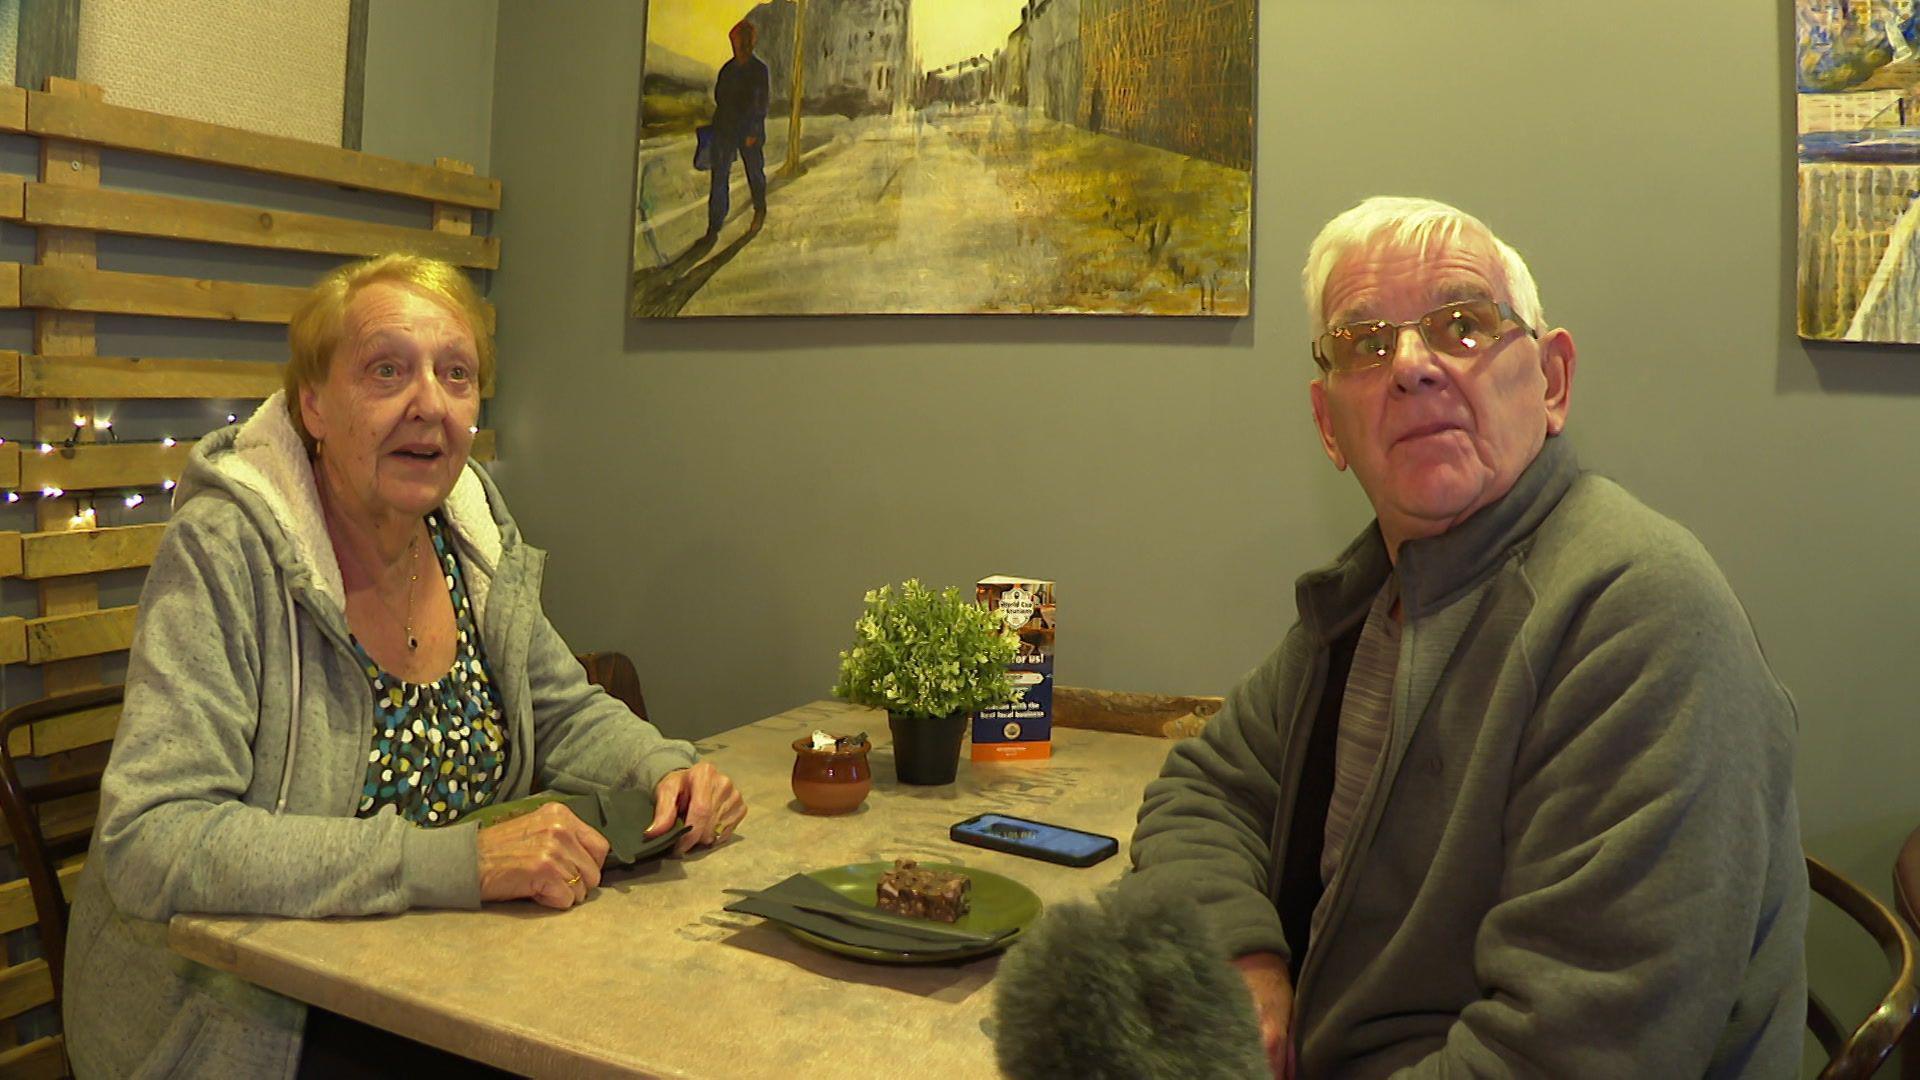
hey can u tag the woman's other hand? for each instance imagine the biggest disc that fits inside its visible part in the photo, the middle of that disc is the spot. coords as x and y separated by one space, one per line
703 794
549 856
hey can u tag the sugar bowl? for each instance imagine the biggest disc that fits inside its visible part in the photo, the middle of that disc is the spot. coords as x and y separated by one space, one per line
831 774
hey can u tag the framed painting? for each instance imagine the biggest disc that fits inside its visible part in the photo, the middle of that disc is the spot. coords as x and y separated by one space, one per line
945 157
1857 73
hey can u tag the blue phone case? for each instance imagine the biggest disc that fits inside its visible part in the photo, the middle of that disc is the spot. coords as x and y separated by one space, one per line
1034 839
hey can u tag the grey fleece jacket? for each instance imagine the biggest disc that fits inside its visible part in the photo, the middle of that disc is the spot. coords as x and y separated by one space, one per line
1579 856
243 746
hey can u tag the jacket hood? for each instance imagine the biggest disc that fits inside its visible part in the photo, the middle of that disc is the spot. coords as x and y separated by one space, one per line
261 465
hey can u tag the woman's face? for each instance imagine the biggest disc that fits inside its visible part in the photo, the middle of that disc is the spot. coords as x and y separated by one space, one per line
395 415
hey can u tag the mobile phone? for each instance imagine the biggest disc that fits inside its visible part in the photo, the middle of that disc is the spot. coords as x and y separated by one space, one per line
1034 839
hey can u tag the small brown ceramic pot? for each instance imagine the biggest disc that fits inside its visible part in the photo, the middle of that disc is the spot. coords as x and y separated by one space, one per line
831 781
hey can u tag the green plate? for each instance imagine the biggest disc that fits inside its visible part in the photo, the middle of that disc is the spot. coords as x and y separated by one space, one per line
998 903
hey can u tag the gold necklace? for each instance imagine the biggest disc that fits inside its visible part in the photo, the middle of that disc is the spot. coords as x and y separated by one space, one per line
413 578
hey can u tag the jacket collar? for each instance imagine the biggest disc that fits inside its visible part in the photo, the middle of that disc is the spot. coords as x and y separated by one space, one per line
1434 570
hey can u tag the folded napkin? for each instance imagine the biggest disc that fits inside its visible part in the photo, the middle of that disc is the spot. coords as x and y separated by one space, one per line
620 816
802 902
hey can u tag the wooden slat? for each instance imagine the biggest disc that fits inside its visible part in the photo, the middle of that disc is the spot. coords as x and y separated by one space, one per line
89 633
140 377
86 551
114 293
16 898
9 285
12 554
108 465
13 639
66 117
136 214
63 819
26 985
41 1059
92 467
126 377
13 196
455 220
13 108
109 292
68 731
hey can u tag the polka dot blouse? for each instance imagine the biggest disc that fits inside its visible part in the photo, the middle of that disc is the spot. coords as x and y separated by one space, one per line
438 749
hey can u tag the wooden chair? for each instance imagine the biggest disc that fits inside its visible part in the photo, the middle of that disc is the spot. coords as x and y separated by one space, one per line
1906 899
50 823
1857 1056
1163 716
614 673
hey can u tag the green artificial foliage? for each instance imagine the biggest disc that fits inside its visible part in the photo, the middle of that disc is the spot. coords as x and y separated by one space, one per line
926 653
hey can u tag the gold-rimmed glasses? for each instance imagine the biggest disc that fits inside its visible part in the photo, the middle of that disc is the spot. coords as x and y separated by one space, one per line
1464 329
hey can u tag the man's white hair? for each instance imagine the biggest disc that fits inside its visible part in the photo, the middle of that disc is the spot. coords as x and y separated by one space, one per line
1393 220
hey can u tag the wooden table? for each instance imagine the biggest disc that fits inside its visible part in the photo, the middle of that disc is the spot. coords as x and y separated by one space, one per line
650 977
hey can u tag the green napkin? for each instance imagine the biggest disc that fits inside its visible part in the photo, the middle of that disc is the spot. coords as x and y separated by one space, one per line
624 817
802 902
620 816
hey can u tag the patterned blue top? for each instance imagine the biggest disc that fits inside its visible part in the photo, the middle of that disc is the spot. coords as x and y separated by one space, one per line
438 749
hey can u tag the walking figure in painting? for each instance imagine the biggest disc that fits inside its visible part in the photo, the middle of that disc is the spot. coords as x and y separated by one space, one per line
739 128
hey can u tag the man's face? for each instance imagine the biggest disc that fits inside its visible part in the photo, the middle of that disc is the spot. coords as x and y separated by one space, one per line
1433 438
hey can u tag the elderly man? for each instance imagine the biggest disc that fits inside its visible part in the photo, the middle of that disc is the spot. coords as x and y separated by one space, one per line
1514 797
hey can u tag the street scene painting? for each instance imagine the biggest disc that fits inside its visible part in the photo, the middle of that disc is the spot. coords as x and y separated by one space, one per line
823 157
1857 73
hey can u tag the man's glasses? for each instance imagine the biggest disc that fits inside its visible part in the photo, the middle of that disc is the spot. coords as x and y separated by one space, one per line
1466 330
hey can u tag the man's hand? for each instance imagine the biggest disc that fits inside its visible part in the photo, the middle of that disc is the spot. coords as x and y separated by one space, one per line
753 140
1266 978
549 856
713 807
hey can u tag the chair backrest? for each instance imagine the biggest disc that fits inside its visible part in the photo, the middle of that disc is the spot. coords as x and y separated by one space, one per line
1164 716
614 673
51 820
1857 1056
1906 885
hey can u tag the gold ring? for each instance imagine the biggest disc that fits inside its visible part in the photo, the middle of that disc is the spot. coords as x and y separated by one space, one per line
574 880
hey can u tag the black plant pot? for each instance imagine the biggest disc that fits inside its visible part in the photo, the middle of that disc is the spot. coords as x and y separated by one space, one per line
926 749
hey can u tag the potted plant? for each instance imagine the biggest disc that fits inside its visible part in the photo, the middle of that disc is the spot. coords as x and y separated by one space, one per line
930 659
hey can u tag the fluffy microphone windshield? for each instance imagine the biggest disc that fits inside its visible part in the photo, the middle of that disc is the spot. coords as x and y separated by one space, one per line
1131 986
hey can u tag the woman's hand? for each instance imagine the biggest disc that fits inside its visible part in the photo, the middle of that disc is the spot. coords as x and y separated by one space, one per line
712 806
548 855
1266 977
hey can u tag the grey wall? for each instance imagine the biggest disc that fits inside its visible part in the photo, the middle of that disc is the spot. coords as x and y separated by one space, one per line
717 494
429 88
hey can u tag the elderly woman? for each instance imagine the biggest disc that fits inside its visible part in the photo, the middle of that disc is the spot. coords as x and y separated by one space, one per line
341 650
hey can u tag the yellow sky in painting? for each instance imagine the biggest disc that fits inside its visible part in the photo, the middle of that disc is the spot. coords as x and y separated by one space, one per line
949 30
696 28
943 30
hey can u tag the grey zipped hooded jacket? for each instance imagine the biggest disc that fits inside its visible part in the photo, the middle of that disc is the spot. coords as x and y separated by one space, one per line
243 746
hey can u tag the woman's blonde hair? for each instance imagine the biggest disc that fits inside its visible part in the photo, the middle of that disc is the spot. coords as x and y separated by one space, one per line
318 323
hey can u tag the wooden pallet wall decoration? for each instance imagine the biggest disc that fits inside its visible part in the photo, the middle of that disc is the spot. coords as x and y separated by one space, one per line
68 381
70 201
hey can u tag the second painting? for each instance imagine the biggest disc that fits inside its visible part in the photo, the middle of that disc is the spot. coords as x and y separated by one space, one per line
820 157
